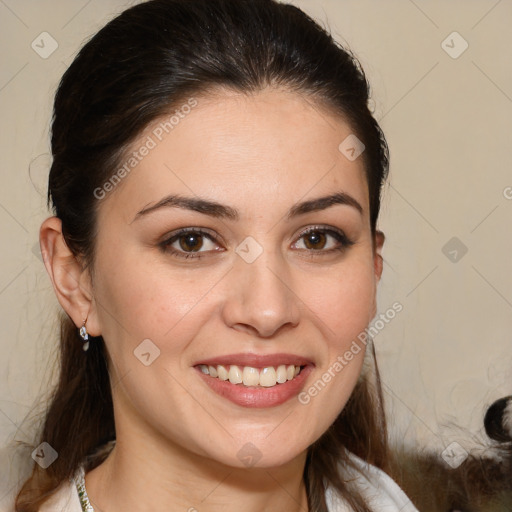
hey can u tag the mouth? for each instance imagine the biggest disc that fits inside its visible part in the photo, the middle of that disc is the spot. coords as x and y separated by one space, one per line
251 380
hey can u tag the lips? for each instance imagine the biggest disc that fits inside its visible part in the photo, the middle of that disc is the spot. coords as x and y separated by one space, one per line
279 377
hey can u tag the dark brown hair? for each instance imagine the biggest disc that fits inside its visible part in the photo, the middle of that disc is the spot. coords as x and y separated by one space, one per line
139 67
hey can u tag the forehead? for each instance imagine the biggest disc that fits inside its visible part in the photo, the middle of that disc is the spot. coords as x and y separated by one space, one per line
248 149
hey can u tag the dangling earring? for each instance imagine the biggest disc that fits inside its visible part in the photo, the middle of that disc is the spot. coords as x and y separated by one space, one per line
84 336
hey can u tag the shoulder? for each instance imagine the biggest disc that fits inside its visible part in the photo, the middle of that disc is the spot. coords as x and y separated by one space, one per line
15 468
380 491
64 500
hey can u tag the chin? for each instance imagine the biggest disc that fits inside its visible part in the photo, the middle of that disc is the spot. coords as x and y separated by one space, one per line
259 453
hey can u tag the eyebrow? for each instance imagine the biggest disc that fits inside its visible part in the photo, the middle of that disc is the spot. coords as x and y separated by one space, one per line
221 211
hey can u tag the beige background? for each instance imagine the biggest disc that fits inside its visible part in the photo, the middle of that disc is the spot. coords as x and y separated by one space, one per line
448 354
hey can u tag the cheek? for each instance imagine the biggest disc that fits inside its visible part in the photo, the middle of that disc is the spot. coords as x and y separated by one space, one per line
139 299
343 302
342 306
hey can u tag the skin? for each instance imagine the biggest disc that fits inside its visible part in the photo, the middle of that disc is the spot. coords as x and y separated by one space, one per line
177 441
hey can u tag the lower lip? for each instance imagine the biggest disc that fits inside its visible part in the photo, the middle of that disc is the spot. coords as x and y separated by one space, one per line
257 397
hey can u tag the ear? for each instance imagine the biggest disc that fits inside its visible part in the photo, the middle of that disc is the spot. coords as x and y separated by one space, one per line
378 262
72 283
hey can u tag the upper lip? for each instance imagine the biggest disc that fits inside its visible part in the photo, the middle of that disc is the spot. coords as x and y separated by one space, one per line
255 360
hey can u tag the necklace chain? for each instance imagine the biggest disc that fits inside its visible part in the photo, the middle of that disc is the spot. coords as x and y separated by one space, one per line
82 491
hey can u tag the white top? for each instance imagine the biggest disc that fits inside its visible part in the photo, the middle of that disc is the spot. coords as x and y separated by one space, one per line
381 492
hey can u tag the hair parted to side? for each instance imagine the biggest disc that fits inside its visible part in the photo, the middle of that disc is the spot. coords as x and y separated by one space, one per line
140 66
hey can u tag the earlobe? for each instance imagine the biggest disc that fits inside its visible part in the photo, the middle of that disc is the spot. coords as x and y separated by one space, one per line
70 281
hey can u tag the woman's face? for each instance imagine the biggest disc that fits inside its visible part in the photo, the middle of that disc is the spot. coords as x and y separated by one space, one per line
268 275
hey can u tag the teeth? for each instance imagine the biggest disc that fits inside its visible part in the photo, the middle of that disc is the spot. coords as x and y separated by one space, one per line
249 376
281 375
235 375
268 377
222 373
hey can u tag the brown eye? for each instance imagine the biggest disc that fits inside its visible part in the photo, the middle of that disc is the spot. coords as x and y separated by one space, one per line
191 242
314 240
323 240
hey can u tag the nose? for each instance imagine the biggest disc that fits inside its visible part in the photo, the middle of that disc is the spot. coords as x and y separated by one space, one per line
260 299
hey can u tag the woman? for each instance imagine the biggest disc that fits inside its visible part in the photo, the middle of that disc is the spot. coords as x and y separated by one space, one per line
216 185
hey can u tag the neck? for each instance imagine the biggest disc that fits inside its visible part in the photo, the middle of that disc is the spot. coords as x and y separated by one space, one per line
140 476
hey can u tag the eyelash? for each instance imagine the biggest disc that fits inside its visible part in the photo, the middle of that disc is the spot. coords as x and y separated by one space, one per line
337 234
